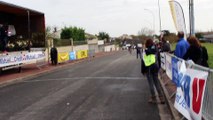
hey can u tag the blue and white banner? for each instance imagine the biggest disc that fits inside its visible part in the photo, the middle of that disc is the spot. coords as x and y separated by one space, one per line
163 60
7 60
190 92
168 65
180 103
176 64
73 55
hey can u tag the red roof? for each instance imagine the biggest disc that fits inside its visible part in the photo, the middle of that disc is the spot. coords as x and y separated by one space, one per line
14 9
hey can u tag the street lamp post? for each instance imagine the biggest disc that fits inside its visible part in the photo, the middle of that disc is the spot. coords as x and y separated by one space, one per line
153 19
191 17
159 15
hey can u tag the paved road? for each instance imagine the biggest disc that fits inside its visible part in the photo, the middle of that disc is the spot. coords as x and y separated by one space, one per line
106 88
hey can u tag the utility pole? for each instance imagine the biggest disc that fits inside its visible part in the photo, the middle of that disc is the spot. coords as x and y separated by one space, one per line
159 16
191 17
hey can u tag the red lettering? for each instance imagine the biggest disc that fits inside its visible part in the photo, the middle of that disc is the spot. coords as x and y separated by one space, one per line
197 93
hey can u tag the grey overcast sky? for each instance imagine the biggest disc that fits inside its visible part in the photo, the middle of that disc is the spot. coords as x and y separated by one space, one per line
117 17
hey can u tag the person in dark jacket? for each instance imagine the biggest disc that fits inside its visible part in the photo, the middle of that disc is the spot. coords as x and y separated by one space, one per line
138 52
165 46
196 52
54 55
152 70
4 37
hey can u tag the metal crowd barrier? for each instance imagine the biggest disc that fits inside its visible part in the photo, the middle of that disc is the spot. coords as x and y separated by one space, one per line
207 109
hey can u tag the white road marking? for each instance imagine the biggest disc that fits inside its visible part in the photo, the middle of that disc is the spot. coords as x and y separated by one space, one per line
77 78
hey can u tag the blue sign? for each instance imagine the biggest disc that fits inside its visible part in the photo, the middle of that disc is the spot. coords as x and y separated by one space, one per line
72 55
175 71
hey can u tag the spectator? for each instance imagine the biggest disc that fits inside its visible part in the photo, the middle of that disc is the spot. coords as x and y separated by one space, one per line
4 37
130 49
138 52
181 46
166 47
196 52
150 62
54 55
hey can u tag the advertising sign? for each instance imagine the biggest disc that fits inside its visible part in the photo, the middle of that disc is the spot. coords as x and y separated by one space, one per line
193 85
82 54
190 92
100 42
163 61
180 103
175 69
178 16
168 66
7 60
73 55
63 57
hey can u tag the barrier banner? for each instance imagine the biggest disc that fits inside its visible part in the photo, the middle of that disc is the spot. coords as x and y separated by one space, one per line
190 93
168 65
20 58
73 55
176 64
82 54
163 61
63 57
180 103
193 86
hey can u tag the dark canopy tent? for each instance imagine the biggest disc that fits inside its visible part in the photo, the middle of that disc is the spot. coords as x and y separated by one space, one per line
29 24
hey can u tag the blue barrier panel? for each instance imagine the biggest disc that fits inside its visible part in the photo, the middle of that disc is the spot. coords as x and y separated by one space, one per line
175 70
73 55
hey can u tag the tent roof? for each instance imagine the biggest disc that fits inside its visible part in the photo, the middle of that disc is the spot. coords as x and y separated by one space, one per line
14 9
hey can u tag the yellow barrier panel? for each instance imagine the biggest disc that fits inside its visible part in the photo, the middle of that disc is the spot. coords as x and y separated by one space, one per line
82 54
63 57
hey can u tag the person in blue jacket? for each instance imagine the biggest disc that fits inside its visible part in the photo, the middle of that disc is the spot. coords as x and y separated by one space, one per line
182 46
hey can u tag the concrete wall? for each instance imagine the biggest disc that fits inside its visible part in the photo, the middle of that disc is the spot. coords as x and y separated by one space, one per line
110 48
97 49
75 48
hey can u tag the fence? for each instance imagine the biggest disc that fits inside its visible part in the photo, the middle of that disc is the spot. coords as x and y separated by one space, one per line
67 42
207 108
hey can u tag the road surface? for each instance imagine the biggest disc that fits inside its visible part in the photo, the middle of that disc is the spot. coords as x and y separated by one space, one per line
106 88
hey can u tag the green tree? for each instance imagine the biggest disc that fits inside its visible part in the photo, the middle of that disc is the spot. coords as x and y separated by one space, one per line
66 33
77 34
103 36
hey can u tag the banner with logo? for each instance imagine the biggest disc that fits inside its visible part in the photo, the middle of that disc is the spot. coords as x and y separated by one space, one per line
176 64
190 92
20 58
163 61
63 57
168 65
178 16
180 103
73 55
82 54
194 89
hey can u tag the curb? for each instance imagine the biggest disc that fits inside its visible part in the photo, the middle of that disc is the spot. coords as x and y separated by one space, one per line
175 113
